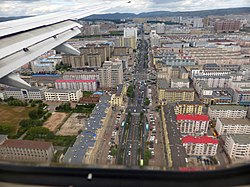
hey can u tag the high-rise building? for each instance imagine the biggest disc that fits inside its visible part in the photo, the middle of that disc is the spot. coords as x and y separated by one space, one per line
130 32
197 23
111 74
160 28
74 61
95 30
226 26
130 42
94 60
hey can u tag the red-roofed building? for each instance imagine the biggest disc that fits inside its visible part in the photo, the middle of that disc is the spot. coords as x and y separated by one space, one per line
200 145
84 85
192 124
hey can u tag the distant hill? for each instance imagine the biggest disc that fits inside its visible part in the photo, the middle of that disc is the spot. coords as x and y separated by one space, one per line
118 16
201 13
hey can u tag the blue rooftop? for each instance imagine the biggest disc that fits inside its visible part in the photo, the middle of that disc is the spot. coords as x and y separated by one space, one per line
86 140
98 93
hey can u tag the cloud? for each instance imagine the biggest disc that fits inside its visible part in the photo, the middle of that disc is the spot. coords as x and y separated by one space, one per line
36 7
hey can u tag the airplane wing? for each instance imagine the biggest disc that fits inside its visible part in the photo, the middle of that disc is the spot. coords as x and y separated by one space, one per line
23 40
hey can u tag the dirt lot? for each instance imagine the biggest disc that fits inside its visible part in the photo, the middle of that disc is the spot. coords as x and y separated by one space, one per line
71 127
55 120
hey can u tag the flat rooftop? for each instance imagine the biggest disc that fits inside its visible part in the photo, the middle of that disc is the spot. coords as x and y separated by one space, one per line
237 121
162 83
241 139
62 91
227 107
180 80
189 103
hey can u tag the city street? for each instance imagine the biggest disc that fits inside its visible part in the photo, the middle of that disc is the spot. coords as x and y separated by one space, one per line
178 153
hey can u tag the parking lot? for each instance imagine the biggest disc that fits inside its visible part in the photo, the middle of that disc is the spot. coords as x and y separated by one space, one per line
155 140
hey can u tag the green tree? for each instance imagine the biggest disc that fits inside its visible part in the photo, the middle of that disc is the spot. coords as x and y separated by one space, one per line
147 101
39 133
130 91
7 129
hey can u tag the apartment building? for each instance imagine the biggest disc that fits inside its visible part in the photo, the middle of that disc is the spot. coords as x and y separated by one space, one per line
81 75
168 95
111 74
226 126
192 123
238 147
200 145
227 111
188 107
26 151
74 61
218 81
63 95
227 26
208 55
242 96
24 94
84 85
94 60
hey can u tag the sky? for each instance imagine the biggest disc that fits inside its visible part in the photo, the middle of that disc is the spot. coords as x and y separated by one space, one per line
38 7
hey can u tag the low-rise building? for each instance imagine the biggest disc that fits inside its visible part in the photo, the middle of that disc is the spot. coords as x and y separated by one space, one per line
192 124
227 111
238 146
226 126
84 85
117 98
242 96
24 94
89 141
63 95
26 151
188 107
200 145
168 95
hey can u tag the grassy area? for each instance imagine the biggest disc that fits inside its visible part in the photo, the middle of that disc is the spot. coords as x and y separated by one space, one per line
87 93
12 115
